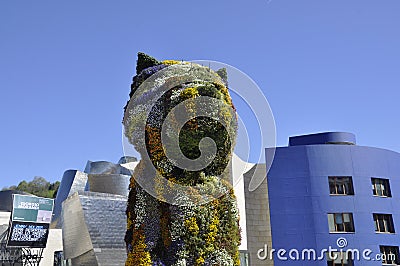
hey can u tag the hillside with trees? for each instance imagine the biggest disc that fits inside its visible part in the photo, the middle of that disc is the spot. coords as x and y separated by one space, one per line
39 186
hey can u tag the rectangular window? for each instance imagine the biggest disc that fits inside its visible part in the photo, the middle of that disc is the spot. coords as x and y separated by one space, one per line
389 255
341 222
383 223
381 187
341 185
339 259
244 258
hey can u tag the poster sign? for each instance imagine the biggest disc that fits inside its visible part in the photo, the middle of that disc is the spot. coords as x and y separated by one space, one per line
30 221
23 234
32 209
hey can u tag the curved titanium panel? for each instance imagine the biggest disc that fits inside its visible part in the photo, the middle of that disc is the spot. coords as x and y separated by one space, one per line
72 181
112 184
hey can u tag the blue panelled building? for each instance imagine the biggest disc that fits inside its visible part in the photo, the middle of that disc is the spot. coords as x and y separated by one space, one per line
330 196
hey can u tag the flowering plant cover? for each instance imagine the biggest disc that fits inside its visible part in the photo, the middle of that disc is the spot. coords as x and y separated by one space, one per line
181 215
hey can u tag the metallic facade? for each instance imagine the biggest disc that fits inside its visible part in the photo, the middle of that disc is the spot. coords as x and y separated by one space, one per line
72 182
94 226
91 211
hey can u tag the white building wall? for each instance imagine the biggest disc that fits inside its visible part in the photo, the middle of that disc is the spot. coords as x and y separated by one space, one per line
240 167
4 217
54 243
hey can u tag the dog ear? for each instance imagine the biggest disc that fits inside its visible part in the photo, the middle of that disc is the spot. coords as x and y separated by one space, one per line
224 75
144 61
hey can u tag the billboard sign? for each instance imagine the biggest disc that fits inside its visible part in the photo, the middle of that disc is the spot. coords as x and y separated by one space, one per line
23 234
30 221
32 209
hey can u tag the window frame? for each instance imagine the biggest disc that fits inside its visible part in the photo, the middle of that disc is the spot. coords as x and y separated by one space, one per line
344 257
387 220
334 219
391 248
335 180
383 182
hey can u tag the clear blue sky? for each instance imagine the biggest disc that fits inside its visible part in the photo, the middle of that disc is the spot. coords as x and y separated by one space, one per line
66 69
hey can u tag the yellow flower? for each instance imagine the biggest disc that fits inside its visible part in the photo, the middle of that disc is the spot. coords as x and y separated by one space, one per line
192 226
210 239
189 93
200 261
139 256
171 62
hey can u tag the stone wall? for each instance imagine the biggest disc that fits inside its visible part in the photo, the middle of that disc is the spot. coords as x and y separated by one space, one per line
257 217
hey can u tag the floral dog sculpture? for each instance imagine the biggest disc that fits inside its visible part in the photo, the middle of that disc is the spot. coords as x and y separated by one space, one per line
181 209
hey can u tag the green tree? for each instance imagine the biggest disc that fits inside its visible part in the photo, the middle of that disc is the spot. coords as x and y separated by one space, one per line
23 186
39 186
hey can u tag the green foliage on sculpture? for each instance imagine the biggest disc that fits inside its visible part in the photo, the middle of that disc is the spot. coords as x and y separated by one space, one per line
169 126
145 61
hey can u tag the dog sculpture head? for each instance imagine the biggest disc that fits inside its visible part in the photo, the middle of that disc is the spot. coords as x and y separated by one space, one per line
180 117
